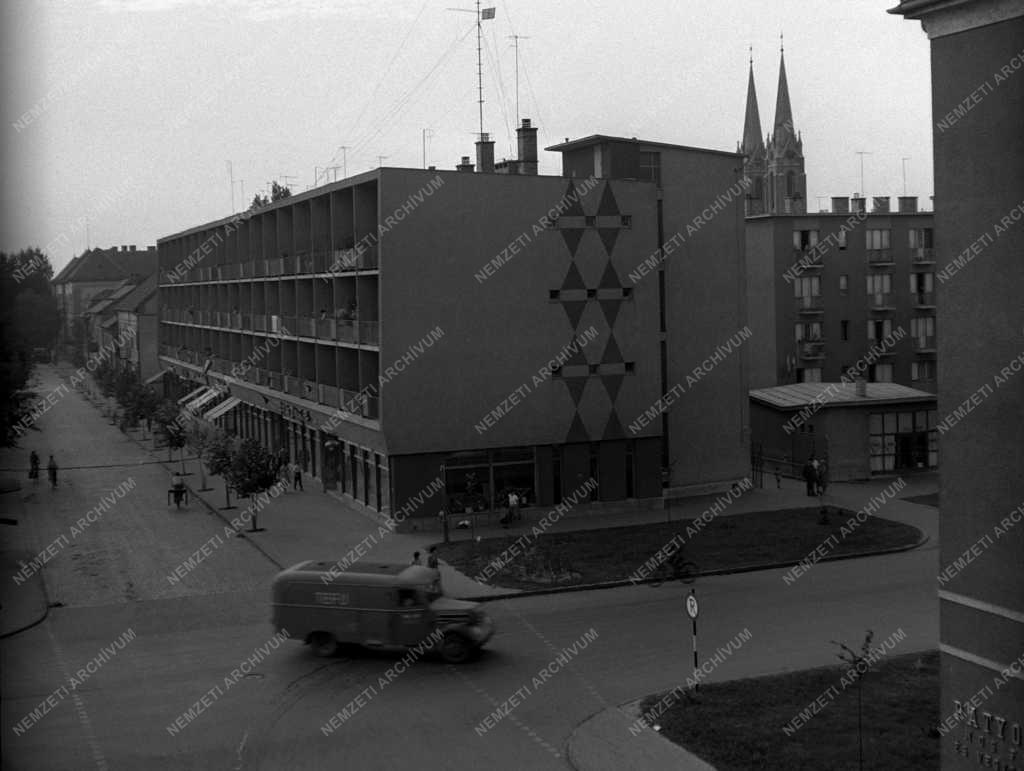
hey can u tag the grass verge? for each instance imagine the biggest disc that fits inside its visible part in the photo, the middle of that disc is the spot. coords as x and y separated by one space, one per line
739 725
530 559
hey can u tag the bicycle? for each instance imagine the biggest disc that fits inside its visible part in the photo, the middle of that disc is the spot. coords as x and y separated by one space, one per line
675 567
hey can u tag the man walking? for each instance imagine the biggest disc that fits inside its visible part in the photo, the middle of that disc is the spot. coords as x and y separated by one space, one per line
811 476
296 477
416 558
33 467
432 558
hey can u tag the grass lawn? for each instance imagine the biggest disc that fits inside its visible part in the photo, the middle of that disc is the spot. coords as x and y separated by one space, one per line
527 560
738 725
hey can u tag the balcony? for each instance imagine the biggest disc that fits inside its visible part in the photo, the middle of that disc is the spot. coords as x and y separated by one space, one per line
808 259
812 350
924 344
810 305
346 330
326 329
368 259
305 326
880 257
328 394
369 332
881 301
923 255
924 299
259 322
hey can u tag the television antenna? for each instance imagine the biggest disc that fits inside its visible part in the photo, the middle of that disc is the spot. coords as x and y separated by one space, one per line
481 14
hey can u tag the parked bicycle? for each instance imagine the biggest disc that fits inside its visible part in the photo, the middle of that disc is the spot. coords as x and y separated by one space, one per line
675 567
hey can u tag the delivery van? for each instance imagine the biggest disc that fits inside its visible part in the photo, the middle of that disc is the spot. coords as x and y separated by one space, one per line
376 605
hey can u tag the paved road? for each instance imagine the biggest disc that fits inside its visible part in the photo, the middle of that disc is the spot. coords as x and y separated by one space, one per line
189 637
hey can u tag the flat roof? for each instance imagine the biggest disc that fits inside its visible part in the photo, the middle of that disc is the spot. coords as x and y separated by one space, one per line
798 395
595 139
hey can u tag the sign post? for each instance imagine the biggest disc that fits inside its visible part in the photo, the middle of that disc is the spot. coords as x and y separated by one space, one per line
691 611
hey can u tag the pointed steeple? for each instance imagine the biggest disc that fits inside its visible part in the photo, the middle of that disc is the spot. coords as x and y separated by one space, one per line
752 140
783 111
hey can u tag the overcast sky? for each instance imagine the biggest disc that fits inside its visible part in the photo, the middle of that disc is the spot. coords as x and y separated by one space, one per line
136 107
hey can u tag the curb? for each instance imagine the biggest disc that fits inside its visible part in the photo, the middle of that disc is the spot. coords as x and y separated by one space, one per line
38 621
721 572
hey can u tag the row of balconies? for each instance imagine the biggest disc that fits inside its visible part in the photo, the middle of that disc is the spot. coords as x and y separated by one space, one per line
309 263
335 397
880 301
334 330
811 260
814 349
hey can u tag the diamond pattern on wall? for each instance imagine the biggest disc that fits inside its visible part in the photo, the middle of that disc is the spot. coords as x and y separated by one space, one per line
590 251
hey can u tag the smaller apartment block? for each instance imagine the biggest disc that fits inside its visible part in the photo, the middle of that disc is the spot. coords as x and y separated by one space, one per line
841 290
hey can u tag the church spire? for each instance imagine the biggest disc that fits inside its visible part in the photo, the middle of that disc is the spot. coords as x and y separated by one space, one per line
783 111
752 137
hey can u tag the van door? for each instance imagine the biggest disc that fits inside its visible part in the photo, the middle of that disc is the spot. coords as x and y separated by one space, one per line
411 618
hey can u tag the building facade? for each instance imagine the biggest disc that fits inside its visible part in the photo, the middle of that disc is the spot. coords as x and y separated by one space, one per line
406 329
978 108
841 290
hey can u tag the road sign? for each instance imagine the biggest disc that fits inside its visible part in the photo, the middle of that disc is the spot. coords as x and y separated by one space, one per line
691 605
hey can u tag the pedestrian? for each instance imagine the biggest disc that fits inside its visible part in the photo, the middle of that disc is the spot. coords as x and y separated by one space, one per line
415 558
297 477
51 469
822 478
513 506
432 558
778 478
33 467
811 476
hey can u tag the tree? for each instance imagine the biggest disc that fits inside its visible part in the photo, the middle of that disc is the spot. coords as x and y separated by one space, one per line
860 665
29 319
253 472
277 192
220 452
168 420
258 202
199 437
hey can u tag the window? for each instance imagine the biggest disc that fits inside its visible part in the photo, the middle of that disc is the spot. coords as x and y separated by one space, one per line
903 440
922 283
553 294
844 281
591 294
882 373
922 326
844 330
804 239
920 238
879 329
922 370
807 286
627 292
650 167
810 375
879 283
627 221
590 222
877 238
808 330
841 239
630 366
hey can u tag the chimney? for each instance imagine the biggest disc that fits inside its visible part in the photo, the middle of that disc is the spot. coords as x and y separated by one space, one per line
908 204
527 148
880 204
859 204
485 154
862 387
150 248
132 247
465 165
431 168
124 247
840 205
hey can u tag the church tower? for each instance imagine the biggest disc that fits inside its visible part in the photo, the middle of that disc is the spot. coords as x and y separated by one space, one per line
755 166
786 182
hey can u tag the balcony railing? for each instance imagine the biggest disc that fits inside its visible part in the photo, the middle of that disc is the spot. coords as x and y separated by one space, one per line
924 343
808 259
810 304
882 301
369 332
812 349
259 322
326 329
346 331
327 394
923 254
880 257
924 299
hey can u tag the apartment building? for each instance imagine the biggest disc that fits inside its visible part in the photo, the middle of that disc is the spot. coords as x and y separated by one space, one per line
478 331
978 106
850 288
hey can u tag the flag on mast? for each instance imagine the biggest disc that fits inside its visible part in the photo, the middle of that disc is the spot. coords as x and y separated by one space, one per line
487 13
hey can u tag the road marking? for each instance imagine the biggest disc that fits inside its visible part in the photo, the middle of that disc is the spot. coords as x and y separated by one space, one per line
241 747
83 715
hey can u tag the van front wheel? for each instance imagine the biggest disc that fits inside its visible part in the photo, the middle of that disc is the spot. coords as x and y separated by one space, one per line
324 644
455 648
